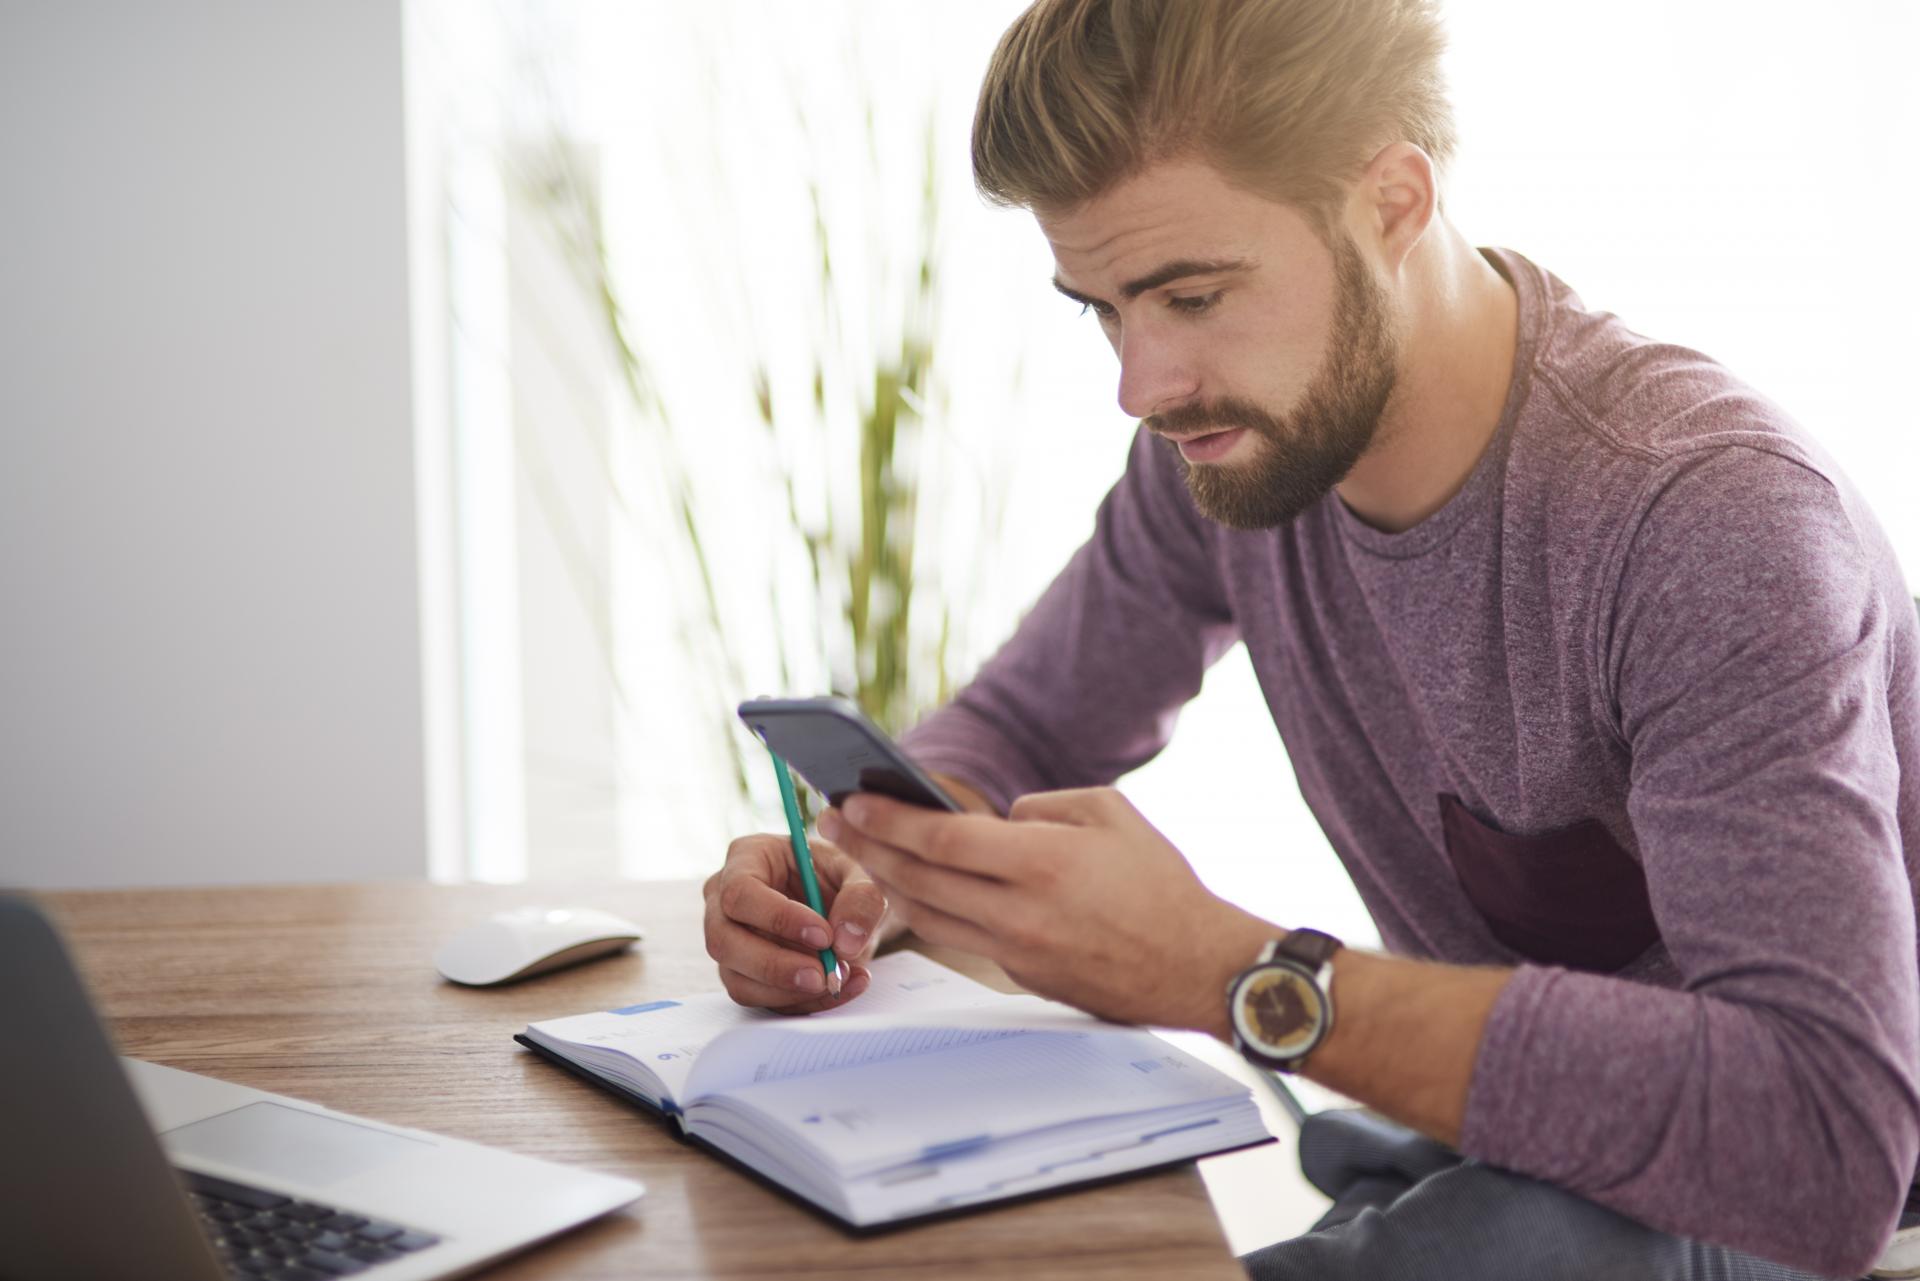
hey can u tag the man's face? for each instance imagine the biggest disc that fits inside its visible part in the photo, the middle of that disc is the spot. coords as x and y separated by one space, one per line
1266 355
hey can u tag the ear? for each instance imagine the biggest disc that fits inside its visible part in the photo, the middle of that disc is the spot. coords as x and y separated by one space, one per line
1398 197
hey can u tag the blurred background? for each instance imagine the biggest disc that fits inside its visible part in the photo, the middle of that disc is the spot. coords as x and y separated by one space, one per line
422 422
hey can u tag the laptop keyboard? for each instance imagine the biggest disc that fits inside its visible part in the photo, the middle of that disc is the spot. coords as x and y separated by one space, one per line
261 1234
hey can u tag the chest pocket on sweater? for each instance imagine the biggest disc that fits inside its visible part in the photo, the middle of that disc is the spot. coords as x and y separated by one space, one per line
1568 897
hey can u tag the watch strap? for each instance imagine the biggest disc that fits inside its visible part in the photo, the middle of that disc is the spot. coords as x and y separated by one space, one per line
1310 948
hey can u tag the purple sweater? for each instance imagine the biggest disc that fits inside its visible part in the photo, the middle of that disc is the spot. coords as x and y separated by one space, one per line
1636 712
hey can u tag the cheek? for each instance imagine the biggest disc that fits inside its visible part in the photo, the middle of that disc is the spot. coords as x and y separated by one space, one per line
1268 355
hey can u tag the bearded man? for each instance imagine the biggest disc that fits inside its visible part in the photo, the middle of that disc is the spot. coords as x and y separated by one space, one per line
1598 674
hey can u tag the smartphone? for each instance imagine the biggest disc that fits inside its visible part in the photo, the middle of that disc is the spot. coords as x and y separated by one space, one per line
830 743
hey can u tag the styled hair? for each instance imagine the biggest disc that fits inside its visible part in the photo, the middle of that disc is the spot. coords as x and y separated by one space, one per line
1286 98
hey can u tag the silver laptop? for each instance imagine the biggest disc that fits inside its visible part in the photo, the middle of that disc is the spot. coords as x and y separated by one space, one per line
115 1168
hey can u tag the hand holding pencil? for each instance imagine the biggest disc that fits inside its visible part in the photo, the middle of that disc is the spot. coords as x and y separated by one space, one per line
768 940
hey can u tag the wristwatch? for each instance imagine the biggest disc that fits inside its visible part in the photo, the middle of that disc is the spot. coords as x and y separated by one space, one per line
1281 1007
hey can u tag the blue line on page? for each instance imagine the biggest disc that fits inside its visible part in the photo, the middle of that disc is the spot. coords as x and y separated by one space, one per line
941 1151
1196 1125
647 1008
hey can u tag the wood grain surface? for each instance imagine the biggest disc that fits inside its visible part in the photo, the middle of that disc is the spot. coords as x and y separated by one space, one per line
328 993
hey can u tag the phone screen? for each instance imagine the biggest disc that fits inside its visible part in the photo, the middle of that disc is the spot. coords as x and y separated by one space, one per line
828 742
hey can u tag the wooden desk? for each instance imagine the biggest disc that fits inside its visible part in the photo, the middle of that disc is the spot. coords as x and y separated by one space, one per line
328 993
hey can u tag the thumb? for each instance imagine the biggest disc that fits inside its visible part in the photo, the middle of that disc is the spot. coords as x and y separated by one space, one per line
854 915
1068 806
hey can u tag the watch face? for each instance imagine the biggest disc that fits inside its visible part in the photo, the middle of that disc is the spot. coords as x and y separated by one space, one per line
1278 1011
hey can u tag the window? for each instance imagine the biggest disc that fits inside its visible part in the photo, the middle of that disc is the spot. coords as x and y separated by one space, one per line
1723 176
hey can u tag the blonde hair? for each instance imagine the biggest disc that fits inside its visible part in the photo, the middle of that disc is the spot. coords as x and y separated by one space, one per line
1287 98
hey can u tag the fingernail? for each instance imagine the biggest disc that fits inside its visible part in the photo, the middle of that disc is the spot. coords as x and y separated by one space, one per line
852 937
809 979
829 825
856 810
814 937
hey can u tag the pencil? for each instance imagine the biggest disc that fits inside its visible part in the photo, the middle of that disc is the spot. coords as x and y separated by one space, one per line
803 859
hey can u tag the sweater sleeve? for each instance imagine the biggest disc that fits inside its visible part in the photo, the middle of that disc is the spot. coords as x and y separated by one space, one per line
1769 1103
1093 678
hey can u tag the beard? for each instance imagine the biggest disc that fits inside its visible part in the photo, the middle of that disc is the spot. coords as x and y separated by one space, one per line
1299 457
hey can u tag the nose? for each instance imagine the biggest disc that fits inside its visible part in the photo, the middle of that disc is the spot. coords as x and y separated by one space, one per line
1154 373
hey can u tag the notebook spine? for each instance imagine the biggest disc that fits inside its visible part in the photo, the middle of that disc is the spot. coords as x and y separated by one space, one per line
667 1110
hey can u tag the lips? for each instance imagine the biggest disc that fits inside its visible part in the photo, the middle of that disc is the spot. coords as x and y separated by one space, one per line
1209 446
1198 435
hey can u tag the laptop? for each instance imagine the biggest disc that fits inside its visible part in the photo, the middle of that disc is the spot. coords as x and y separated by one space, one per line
114 1168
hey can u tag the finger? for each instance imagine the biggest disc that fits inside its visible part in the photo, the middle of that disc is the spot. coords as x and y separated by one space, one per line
1075 805
973 898
857 908
763 854
746 990
976 843
936 926
793 971
834 867
749 900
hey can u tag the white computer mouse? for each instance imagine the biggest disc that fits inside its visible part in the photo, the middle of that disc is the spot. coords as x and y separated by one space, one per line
531 940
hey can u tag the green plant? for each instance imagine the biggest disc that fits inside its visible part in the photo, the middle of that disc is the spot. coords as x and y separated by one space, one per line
861 559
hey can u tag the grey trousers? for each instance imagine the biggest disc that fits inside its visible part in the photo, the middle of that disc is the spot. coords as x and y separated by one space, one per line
1407 1208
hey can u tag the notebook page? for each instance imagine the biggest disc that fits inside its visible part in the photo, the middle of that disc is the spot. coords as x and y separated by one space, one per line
662 1038
803 1047
666 1038
938 1107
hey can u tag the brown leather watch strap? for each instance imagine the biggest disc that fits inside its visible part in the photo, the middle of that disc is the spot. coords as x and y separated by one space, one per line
1309 947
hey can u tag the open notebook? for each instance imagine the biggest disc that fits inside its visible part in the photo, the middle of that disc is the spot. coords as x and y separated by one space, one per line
929 1094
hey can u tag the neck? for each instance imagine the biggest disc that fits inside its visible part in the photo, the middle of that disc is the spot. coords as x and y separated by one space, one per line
1456 362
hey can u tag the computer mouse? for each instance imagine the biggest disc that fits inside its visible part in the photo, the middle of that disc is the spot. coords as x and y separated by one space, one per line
526 941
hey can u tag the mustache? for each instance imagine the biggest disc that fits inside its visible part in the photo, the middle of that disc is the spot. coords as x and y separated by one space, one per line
1214 415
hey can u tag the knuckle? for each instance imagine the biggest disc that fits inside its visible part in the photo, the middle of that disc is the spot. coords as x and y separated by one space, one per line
713 926
864 900
777 971
911 876
734 892
947 845
791 919
745 853
1018 931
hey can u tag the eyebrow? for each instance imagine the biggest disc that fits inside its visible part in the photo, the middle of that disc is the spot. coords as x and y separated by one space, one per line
1177 270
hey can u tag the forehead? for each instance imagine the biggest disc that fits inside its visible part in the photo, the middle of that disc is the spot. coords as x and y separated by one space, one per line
1173 210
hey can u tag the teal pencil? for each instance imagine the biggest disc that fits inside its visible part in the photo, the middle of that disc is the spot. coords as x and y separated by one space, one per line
803 859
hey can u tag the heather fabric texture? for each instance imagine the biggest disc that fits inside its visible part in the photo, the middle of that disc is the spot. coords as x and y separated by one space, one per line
1408 1206
1655 616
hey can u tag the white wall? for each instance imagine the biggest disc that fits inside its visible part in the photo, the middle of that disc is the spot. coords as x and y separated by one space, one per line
209 643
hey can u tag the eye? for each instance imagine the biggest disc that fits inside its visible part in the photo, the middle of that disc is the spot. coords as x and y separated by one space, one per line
1103 310
1198 305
